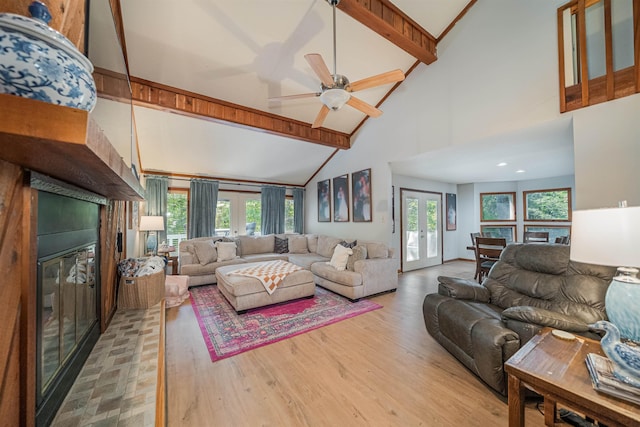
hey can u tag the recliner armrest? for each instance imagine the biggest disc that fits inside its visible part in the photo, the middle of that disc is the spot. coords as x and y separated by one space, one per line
543 317
455 287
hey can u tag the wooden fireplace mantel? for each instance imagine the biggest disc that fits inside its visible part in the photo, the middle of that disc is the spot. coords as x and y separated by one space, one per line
64 143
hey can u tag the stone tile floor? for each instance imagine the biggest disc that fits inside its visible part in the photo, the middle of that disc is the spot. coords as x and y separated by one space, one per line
117 385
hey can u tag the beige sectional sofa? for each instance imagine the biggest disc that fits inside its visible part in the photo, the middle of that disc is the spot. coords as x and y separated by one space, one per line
371 270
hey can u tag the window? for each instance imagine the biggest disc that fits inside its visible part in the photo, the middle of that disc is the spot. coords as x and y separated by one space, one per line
555 231
506 231
288 215
223 217
497 207
177 206
547 205
253 216
238 213
596 52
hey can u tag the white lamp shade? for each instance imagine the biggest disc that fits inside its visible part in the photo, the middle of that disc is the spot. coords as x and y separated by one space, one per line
151 223
606 237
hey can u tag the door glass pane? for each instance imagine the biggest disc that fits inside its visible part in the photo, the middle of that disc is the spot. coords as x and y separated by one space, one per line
68 305
412 232
50 350
85 291
223 218
622 32
253 216
432 228
596 58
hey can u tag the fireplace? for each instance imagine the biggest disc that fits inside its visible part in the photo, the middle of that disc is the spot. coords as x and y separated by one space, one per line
68 289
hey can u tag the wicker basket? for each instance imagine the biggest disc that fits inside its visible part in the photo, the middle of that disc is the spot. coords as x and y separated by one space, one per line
141 292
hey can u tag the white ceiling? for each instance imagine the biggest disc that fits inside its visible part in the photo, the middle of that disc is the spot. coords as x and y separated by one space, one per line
245 51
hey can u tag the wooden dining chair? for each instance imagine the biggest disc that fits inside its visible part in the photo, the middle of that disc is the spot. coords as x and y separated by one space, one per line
536 237
473 244
488 250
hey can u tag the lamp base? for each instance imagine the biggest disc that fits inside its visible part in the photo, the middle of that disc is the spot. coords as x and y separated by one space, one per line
622 302
152 243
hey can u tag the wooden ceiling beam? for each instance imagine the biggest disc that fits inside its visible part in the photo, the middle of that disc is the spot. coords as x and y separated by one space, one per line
161 97
386 19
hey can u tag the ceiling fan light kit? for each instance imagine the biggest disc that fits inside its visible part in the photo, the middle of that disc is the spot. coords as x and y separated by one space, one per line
336 89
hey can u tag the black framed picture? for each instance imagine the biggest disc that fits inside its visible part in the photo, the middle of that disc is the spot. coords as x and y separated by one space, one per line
361 195
324 201
452 212
341 198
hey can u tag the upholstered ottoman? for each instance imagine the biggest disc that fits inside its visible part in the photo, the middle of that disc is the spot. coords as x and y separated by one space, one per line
245 292
176 290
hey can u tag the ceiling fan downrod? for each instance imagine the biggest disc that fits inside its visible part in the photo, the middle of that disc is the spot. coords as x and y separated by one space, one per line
333 4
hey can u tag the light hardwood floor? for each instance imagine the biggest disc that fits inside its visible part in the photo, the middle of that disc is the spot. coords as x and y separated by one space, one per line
381 368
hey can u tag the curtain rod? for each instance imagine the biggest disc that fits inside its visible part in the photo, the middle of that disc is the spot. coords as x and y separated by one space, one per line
227 182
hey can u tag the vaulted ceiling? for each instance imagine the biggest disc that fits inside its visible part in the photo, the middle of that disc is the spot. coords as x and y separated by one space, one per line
203 71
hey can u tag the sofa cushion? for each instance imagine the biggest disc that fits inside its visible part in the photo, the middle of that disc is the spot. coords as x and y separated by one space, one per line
359 253
280 245
265 257
305 260
345 278
312 242
298 245
248 245
326 245
377 250
226 251
205 251
340 257
208 269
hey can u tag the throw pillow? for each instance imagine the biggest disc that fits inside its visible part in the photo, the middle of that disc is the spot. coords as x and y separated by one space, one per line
298 245
349 245
340 257
281 246
226 250
359 252
205 251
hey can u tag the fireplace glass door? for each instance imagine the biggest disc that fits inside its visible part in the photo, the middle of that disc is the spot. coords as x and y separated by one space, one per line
68 308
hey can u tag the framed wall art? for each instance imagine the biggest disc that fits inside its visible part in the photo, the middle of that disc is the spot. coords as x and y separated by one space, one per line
452 212
324 201
341 198
361 195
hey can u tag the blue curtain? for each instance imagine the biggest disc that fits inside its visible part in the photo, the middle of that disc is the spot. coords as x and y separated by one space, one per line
272 206
156 196
203 201
298 210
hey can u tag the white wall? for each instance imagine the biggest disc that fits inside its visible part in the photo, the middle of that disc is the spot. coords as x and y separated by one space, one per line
607 153
497 72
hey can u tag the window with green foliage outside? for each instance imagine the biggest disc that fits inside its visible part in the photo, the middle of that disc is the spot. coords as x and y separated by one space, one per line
177 202
548 205
253 213
497 207
288 216
223 217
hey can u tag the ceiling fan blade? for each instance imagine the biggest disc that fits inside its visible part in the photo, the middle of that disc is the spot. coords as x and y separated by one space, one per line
320 68
379 80
322 114
298 96
368 109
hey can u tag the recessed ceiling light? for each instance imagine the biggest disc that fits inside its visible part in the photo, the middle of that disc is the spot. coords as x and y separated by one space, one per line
520 171
502 164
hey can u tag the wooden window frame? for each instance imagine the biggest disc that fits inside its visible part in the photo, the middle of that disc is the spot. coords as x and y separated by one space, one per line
511 226
513 207
567 227
551 190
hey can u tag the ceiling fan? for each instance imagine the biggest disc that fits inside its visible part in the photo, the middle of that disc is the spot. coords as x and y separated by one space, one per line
335 89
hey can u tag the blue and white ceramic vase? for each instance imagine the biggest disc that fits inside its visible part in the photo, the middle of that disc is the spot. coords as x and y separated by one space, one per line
38 62
623 303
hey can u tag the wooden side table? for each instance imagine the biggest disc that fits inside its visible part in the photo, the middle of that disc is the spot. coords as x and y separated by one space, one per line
172 260
556 369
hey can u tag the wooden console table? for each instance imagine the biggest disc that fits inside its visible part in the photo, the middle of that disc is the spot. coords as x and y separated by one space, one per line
556 369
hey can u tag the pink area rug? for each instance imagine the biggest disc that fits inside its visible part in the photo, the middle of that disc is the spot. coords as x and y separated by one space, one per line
227 333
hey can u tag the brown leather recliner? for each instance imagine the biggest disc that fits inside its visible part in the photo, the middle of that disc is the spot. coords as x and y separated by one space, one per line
530 287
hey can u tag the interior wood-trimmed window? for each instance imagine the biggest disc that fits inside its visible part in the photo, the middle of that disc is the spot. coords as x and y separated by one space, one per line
499 230
497 207
598 51
555 231
547 205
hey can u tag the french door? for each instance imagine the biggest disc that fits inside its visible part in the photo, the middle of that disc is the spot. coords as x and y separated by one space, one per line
421 229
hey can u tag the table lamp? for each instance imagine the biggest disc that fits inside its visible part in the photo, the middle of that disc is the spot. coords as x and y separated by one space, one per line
152 224
612 237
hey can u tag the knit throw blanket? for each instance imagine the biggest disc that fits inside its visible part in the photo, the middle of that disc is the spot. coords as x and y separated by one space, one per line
270 273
